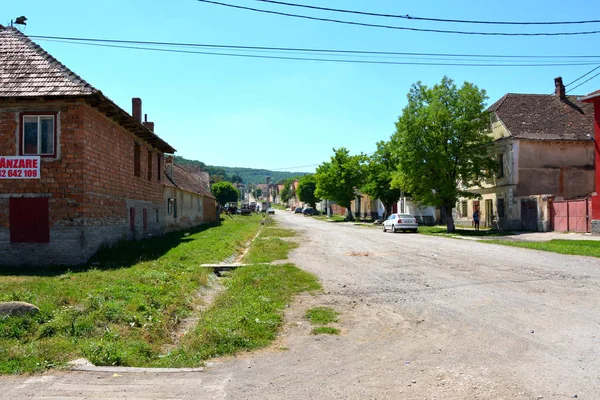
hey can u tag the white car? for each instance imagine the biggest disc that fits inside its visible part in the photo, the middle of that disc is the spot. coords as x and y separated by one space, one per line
400 222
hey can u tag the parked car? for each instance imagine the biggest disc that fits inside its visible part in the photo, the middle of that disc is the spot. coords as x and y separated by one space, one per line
245 211
298 210
400 222
310 211
270 210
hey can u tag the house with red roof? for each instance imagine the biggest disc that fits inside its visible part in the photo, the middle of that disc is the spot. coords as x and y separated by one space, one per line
77 172
545 153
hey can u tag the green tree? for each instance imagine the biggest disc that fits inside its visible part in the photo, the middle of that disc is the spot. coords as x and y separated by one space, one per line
379 172
443 144
288 190
339 179
225 192
306 190
257 192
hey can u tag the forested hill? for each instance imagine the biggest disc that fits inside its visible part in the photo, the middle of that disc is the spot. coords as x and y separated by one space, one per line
247 175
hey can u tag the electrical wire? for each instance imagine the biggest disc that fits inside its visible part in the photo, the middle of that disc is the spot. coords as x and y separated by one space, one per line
337 21
296 49
410 17
333 60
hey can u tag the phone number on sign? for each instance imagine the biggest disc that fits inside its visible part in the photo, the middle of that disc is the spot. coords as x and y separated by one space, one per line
18 173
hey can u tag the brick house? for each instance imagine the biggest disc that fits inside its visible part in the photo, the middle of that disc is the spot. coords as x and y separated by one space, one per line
546 158
187 196
76 171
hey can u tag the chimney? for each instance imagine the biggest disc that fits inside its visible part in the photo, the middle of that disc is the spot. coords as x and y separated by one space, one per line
136 109
148 125
559 88
169 167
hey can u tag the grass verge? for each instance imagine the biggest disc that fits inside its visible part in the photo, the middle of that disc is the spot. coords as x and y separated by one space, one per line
440 230
121 308
269 247
572 247
246 316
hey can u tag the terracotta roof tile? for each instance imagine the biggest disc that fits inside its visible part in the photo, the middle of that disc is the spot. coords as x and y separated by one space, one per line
545 117
27 70
195 182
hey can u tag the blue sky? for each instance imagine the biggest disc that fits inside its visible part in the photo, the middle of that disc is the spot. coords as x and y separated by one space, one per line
289 115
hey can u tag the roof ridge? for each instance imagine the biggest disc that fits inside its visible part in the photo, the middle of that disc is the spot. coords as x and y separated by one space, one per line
62 69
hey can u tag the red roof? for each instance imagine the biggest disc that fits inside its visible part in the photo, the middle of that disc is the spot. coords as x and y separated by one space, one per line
545 117
195 181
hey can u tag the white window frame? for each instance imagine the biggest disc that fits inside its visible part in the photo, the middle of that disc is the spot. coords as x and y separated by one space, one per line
54 135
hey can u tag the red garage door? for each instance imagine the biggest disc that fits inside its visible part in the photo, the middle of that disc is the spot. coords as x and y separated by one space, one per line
570 216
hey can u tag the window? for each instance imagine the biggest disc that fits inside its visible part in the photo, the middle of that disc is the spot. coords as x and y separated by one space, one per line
149 164
158 167
500 171
500 205
136 159
29 220
38 134
463 208
172 207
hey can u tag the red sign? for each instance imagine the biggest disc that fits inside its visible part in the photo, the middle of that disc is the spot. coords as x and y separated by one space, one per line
22 167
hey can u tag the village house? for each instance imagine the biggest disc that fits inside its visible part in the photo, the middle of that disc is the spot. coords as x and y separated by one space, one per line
545 153
79 172
188 199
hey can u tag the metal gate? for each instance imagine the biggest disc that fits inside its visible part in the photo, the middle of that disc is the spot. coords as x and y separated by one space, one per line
570 215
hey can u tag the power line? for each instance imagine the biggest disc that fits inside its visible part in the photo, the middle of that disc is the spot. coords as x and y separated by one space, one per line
337 21
451 64
296 49
581 77
410 17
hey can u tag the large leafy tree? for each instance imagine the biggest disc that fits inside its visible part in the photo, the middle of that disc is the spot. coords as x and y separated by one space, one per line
339 179
441 138
288 190
225 192
306 190
379 172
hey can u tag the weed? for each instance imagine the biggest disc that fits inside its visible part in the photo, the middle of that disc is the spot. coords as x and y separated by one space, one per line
322 315
329 330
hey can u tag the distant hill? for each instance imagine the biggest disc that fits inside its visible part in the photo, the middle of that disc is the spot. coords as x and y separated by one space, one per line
247 175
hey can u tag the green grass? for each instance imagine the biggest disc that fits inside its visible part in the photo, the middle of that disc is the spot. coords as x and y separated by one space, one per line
328 330
440 230
269 247
333 218
322 315
246 316
572 247
119 309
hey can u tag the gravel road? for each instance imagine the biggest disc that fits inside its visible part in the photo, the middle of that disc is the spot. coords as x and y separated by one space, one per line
421 317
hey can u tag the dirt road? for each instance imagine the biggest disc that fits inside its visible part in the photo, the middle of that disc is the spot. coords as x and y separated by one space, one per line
421 318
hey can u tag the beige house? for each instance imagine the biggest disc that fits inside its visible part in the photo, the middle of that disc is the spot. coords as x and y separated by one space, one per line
545 152
187 197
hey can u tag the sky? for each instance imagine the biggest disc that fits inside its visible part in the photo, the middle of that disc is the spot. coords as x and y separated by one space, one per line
289 115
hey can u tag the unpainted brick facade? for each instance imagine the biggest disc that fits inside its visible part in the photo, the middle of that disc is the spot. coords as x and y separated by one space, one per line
94 196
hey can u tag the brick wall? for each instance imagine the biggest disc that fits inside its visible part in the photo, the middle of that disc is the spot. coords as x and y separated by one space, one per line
90 185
